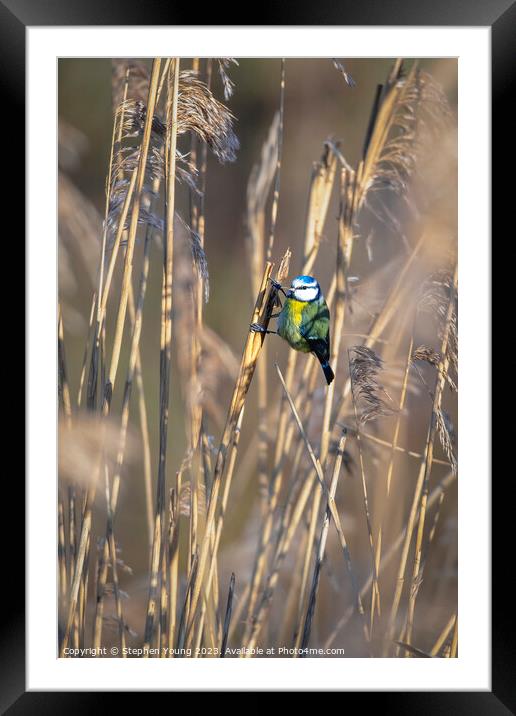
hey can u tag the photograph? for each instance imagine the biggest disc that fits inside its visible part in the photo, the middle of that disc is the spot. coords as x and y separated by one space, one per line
257 360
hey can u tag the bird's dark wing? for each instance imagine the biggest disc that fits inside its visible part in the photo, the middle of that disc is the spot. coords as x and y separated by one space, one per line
319 346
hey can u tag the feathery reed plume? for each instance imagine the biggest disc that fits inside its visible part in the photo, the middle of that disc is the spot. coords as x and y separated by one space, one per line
185 499
198 111
446 436
198 255
435 294
227 83
368 394
340 68
427 354
408 109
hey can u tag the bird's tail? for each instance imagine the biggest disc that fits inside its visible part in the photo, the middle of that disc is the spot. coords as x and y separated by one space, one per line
328 373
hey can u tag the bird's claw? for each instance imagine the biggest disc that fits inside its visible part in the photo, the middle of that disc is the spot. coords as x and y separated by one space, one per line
256 328
275 284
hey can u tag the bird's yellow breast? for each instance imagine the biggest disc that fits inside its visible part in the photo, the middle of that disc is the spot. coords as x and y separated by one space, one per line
295 310
289 323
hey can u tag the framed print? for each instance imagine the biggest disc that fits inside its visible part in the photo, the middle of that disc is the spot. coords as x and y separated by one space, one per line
258 355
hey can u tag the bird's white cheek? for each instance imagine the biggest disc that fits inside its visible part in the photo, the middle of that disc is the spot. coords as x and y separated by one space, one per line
306 294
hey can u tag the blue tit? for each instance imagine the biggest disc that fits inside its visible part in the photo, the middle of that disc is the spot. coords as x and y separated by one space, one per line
304 321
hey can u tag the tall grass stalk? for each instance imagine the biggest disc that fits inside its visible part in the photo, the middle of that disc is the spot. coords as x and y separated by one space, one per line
166 336
261 314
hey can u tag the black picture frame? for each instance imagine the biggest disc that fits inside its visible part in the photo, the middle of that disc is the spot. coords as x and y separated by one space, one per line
500 15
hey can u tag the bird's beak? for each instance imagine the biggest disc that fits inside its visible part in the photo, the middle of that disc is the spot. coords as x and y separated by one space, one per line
290 293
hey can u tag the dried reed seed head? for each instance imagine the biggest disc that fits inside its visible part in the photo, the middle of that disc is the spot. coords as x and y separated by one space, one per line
401 135
132 114
148 217
427 354
229 86
126 157
369 396
321 187
185 499
198 111
340 67
125 165
436 293
198 255
447 437
284 267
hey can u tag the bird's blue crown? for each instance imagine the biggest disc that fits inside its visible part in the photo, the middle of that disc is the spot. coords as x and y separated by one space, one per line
305 282
305 288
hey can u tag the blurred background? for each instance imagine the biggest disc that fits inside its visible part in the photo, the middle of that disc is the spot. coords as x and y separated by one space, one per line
319 104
